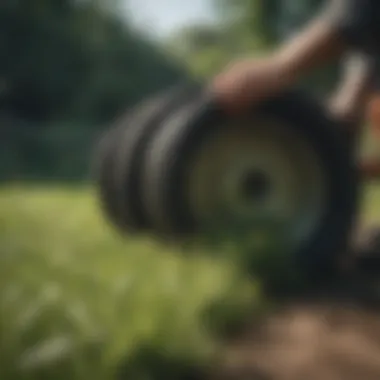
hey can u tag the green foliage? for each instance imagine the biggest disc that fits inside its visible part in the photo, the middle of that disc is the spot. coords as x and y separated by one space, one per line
76 64
73 59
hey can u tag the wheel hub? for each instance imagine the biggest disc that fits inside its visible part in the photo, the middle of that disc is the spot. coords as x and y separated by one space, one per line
255 186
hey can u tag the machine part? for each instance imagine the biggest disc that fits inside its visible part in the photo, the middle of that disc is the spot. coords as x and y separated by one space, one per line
120 157
284 164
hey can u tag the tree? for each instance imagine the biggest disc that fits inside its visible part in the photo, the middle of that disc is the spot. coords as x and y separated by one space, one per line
70 68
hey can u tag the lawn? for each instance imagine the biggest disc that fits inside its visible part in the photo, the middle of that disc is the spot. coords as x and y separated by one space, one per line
78 302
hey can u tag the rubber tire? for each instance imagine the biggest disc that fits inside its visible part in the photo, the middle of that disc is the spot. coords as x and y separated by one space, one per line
130 150
119 155
171 151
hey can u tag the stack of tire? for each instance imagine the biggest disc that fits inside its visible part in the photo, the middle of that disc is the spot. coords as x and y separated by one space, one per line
177 167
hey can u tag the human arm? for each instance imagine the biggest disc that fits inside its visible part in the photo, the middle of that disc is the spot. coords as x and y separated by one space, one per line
323 40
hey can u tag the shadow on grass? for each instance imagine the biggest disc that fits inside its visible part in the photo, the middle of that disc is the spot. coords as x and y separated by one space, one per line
153 363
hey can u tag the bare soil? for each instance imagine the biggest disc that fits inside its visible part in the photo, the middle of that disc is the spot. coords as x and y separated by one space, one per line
329 333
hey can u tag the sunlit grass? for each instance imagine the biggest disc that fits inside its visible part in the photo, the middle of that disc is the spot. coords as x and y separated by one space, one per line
77 300
68 281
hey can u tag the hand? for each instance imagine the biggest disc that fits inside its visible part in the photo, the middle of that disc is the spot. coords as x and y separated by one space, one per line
245 83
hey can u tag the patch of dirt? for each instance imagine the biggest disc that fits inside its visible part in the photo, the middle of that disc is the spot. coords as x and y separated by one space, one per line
330 334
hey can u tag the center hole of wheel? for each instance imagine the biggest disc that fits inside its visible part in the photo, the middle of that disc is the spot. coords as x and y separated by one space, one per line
255 186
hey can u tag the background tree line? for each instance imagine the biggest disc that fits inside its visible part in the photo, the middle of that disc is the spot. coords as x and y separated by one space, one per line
68 68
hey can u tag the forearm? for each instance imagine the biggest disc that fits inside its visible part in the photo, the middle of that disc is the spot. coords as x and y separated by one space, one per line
321 42
318 44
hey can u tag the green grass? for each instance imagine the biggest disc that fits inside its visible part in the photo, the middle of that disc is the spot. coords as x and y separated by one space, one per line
78 302
76 298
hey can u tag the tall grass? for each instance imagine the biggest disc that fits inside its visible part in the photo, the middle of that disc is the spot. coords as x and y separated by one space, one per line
78 302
